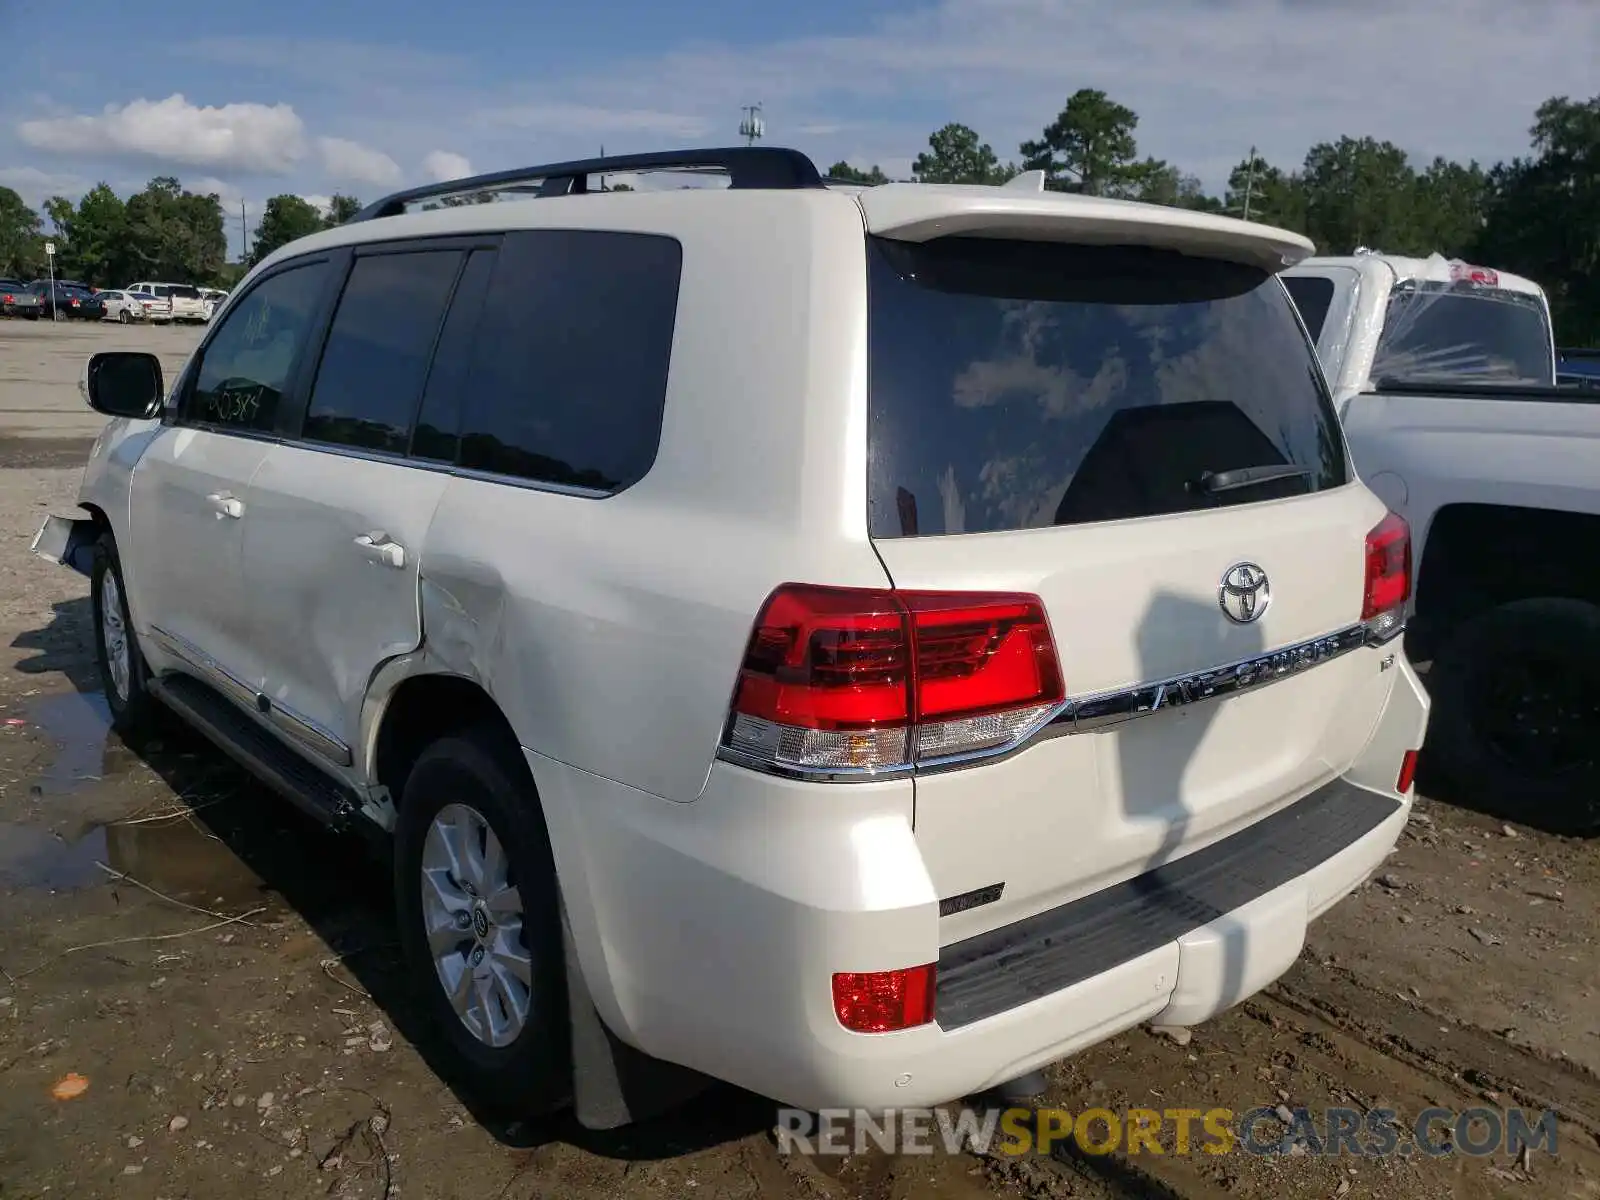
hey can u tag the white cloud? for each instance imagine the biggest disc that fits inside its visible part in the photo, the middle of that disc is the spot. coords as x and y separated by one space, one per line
1208 79
443 165
36 186
259 138
321 203
352 162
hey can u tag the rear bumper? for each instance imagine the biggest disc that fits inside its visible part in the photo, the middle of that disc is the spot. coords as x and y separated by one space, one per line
709 932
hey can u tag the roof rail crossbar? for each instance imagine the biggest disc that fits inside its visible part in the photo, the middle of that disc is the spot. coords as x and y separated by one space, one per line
770 167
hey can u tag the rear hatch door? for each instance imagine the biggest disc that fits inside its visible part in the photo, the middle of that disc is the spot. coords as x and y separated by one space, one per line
1062 420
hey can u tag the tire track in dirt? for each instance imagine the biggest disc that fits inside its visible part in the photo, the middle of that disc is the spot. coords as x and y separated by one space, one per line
1462 1055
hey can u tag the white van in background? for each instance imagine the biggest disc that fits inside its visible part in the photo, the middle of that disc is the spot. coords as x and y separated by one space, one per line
185 300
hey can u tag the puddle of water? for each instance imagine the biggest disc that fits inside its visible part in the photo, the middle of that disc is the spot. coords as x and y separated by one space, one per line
172 856
175 856
80 725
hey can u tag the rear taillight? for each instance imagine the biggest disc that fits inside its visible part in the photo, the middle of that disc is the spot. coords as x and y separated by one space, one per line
867 679
883 1001
1388 582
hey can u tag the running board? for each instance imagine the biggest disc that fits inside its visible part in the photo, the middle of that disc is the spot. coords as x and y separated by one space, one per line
257 750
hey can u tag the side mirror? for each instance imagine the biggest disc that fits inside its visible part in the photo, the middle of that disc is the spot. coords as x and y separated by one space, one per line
124 383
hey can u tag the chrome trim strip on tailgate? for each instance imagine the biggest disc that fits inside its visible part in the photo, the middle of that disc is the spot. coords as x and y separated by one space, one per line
1102 710
1113 708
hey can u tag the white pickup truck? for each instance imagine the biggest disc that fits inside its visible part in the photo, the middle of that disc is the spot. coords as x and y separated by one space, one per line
1443 374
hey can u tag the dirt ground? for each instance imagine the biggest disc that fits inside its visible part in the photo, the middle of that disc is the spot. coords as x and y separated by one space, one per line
217 980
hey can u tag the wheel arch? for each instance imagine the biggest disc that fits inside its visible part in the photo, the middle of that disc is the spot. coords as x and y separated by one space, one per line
1476 557
420 708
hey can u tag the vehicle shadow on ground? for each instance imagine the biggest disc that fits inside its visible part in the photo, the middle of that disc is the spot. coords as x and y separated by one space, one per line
338 884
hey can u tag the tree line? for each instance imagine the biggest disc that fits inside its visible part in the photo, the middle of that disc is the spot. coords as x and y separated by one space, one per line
1537 215
163 232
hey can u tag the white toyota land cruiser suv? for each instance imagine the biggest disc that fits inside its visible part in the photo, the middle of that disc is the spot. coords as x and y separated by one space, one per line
860 644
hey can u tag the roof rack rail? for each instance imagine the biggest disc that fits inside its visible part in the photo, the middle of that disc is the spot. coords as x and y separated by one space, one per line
770 167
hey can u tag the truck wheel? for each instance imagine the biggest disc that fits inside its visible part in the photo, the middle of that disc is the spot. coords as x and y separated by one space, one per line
1515 726
480 923
123 673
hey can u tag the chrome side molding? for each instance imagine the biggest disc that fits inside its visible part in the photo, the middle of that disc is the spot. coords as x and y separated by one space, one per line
302 730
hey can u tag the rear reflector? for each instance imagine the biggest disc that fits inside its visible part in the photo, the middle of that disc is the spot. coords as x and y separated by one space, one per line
870 679
1388 577
883 1001
1408 772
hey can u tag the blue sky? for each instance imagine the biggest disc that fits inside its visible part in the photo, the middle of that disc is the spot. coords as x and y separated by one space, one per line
362 97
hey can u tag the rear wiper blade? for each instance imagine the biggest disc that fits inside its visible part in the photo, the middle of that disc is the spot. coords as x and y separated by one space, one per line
1212 482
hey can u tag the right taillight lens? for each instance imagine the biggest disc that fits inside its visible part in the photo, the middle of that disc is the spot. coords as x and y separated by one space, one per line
870 680
1388 577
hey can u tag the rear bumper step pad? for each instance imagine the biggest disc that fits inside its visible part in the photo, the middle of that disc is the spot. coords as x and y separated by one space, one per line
1005 968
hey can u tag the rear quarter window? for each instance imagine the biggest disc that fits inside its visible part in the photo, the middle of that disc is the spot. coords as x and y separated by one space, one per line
569 376
1021 385
1313 296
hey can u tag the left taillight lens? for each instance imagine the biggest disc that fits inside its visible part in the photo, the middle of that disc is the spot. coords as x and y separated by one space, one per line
1388 577
870 679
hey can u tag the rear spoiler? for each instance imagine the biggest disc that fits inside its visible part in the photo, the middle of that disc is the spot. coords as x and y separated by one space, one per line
920 212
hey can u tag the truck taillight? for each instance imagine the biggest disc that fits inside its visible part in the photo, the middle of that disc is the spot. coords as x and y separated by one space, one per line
1388 582
869 679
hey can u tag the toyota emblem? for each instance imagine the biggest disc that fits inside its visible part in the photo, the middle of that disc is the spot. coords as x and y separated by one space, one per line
1244 594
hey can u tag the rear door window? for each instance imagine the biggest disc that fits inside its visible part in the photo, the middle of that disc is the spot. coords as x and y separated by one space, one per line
1020 385
376 358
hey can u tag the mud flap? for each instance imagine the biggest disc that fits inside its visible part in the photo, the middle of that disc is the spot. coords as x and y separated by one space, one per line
612 1083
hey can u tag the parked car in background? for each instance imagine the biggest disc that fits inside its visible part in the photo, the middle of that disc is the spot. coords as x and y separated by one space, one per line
184 302
68 299
1578 369
17 299
119 306
213 298
1444 374
995 714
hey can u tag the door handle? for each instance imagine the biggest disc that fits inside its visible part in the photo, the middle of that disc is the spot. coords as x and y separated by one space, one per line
378 548
226 505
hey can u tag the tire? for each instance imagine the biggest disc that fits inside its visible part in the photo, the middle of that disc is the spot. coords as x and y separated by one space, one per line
1535 759
122 315
124 675
467 778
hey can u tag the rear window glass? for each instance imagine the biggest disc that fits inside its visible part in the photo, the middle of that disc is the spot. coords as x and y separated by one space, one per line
1313 296
184 291
1020 385
1444 332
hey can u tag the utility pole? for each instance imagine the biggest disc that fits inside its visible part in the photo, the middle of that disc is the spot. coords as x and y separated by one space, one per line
1250 183
752 127
244 234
